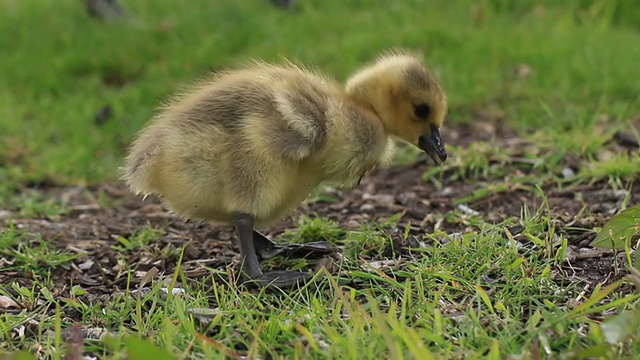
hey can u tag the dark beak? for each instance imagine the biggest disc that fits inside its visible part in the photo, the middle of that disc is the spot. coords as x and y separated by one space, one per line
433 146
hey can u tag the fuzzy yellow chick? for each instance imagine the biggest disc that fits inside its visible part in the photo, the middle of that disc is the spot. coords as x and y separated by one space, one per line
247 146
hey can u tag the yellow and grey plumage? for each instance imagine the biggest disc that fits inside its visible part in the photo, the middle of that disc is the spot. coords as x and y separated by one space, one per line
259 139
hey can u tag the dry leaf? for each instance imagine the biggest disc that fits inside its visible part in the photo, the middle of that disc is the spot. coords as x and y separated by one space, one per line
6 303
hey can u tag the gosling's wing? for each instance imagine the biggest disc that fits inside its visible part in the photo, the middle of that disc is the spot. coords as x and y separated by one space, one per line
303 106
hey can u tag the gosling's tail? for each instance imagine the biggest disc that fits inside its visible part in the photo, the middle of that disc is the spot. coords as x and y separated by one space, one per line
139 171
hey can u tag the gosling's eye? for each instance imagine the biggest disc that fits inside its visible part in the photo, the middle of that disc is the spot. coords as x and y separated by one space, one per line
422 111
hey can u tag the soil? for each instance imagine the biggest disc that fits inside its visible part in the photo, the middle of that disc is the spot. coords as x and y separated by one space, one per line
99 214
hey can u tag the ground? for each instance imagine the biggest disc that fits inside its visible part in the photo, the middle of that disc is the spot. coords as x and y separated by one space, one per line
441 205
488 256
100 225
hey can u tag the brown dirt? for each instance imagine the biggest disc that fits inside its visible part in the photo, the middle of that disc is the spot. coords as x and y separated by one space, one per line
91 229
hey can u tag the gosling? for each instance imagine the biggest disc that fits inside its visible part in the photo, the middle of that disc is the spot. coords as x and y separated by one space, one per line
247 146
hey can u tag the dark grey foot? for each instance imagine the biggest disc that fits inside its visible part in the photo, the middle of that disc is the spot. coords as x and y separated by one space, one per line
265 248
280 279
263 245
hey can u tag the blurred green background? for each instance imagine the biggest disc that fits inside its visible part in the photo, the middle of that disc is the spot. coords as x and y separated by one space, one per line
552 66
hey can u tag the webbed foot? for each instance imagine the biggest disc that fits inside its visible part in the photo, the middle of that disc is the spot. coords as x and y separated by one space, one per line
280 279
265 248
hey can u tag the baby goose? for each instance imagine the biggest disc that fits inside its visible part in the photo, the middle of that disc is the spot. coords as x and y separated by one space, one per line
249 145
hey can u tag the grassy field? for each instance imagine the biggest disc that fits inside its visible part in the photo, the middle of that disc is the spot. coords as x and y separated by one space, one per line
551 83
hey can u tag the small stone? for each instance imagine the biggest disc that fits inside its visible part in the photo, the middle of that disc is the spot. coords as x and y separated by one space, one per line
367 207
386 200
5 214
522 71
568 173
353 225
467 210
86 265
448 191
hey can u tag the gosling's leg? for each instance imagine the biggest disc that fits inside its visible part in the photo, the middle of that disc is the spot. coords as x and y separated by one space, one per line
244 229
250 265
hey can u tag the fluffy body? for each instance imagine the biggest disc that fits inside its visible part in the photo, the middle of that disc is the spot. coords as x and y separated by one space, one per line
258 140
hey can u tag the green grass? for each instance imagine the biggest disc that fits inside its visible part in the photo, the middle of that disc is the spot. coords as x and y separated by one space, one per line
60 70
476 295
30 253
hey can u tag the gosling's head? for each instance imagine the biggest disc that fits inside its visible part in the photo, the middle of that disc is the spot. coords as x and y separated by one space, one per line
406 97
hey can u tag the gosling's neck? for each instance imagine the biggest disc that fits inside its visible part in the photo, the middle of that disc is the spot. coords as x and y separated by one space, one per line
362 89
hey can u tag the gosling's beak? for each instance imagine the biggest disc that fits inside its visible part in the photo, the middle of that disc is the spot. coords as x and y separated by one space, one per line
433 146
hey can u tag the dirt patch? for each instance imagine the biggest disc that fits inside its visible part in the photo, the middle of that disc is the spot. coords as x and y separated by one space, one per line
99 216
